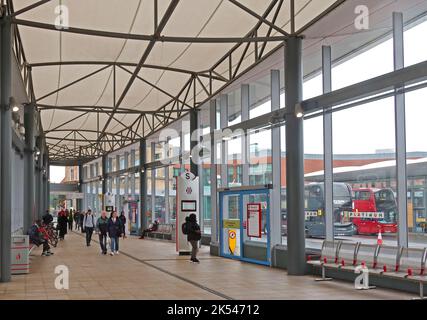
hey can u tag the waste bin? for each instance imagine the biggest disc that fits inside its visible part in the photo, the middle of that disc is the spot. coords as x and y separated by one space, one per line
20 260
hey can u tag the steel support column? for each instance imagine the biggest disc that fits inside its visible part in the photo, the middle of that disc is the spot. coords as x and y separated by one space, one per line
295 157
224 144
213 177
104 180
245 137
193 143
143 183
5 150
153 183
400 121
327 144
29 198
276 159
80 184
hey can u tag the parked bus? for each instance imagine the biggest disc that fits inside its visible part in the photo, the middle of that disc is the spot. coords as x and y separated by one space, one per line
315 210
374 210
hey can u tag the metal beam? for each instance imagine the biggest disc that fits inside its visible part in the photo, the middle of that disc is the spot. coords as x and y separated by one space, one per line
163 22
30 7
260 18
152 38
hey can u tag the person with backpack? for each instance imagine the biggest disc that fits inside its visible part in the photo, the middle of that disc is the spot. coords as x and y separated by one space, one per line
192 229
102 230
114 232
89 226
38 236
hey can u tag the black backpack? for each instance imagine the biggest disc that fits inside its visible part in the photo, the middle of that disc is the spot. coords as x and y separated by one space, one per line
185 228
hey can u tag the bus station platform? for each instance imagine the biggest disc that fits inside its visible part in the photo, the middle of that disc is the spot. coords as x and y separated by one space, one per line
151 270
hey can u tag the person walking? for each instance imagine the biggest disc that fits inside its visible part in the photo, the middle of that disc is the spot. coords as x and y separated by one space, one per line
77 220
62 223
81 218
114 232
89 226
102 230
122 218
70 220
193 235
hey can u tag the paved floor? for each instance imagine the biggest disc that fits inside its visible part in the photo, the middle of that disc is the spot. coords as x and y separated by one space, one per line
150 269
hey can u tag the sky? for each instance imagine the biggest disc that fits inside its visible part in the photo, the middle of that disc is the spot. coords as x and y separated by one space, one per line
360 130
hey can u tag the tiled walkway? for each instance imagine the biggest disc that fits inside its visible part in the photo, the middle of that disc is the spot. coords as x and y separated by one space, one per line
150 269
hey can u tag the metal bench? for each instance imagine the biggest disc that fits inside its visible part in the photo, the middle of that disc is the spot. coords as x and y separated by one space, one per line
407 264
164 231
328 258
387 260
411 266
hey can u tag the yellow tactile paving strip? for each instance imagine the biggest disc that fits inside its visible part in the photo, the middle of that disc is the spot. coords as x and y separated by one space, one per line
150 269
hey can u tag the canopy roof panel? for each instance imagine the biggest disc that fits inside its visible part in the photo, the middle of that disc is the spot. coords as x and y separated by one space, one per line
120 70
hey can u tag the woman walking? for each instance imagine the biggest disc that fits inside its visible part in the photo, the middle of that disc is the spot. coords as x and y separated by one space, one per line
114 232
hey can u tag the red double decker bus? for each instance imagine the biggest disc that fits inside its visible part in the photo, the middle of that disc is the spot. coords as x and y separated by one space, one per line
374 210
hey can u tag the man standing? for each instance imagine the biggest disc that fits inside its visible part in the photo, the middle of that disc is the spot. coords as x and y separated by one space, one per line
123 221
88 226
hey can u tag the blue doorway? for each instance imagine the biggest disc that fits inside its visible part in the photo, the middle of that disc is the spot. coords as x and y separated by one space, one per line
245 225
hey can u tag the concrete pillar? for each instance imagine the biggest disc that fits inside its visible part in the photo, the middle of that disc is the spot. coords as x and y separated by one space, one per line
29 199
5 150
295 157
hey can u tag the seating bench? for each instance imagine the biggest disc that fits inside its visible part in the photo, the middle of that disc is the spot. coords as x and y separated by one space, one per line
164 231
408 264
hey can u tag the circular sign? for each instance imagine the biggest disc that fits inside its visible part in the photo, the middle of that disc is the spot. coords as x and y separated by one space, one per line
232 234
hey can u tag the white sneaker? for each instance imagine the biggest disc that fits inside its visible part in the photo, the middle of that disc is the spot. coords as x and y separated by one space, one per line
117 252
111 253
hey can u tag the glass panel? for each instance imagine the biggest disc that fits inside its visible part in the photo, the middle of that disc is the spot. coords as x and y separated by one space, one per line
234 107
231 226
314 179
415 50
260 167
260 97
159 209
234 167
283 201
416 146
149 212
173 173
365 173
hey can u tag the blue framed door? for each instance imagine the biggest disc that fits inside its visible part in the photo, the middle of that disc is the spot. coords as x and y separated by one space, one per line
237 239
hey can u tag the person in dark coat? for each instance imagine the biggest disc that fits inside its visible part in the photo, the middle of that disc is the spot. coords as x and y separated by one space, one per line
70 220
62 223
114 232
123 221
194 235
77 219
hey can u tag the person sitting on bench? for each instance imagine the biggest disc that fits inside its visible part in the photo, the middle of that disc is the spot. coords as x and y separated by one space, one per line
38 236
153 227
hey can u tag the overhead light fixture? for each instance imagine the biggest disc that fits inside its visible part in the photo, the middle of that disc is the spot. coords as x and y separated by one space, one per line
38 152
299 111
15 108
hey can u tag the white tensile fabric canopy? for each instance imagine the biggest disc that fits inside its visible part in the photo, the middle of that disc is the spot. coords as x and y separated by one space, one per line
104 77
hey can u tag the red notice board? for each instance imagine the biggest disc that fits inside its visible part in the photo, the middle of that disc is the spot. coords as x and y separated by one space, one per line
254 219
